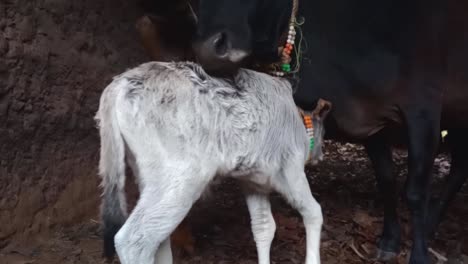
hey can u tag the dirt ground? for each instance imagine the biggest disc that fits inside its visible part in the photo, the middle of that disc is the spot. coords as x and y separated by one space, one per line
343 184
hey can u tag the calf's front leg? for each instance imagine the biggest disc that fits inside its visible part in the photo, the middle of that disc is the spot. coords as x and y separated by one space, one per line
164 253
294 187
263 224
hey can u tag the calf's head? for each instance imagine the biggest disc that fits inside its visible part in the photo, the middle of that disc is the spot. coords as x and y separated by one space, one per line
230 32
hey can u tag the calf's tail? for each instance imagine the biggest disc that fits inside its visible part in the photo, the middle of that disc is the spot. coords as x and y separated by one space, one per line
111 169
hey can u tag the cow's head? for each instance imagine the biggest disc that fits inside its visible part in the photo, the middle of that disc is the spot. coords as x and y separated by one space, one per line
231 32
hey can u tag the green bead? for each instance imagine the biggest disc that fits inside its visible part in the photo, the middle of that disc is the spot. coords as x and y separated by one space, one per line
312 143
286 67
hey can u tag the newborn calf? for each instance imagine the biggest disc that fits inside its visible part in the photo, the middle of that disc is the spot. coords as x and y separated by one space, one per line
178 128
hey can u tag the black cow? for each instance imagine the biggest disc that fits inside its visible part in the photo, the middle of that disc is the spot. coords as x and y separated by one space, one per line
395 70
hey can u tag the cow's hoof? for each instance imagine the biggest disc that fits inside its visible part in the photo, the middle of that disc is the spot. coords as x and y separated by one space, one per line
388 247
419 260
386 256
419 257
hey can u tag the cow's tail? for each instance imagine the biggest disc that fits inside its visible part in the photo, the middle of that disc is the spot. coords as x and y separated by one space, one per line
111 167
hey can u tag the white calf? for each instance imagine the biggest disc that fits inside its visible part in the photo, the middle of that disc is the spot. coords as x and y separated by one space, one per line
178 128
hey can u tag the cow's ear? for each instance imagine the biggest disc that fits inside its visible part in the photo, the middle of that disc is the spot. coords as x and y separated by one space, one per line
322 109
150 35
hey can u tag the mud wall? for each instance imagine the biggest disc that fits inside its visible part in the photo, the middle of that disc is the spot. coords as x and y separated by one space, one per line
56 56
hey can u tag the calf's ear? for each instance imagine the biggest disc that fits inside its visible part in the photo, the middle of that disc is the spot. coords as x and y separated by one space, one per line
322 109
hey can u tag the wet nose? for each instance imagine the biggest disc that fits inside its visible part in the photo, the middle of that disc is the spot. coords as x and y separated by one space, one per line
217 54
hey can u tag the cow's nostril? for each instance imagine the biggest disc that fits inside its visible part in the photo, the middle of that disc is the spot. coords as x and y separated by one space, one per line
217 54
221 44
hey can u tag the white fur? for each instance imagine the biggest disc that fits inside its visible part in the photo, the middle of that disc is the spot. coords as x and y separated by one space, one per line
179 128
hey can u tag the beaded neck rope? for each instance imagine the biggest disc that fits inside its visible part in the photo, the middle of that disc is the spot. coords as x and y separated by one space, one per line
284 66
309 126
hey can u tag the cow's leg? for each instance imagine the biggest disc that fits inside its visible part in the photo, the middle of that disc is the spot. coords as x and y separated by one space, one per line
294 187
456 179
423 136
263 224
164 202
380 155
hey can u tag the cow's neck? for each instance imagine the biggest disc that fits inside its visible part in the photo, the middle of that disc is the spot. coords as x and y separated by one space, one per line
287 49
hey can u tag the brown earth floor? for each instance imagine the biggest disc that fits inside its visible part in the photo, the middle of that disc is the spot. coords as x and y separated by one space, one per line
343 184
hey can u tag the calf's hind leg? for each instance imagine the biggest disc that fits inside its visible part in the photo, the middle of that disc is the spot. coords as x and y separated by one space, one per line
293 185
164 202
